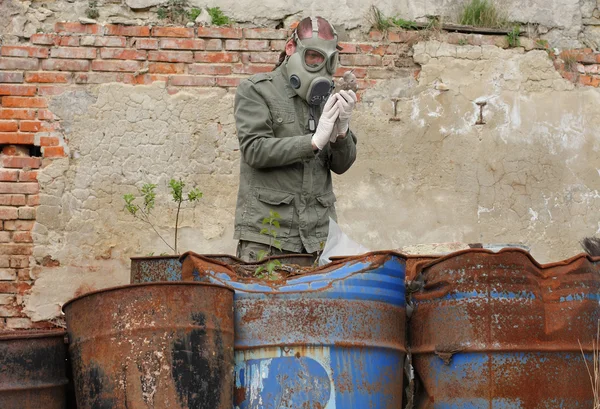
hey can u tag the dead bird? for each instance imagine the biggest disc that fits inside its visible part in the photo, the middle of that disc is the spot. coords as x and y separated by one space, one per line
591 245
347 82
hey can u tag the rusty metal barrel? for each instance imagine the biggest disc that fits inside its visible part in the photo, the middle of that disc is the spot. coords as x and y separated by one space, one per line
32 369
499 330
333 337
155 345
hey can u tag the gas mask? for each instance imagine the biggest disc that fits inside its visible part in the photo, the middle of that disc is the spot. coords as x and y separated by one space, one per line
310 69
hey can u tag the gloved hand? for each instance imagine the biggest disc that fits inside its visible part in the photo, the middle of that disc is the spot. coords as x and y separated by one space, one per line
346 102
327 120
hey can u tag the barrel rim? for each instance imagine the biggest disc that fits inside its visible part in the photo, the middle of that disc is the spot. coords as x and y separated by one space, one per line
32 334
154 283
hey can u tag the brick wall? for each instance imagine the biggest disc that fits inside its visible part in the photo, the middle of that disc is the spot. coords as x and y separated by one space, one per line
76 55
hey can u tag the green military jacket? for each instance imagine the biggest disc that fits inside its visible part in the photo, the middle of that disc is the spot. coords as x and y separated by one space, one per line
279 170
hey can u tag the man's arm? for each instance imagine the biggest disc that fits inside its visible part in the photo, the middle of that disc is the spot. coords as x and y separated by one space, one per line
258 144
343 153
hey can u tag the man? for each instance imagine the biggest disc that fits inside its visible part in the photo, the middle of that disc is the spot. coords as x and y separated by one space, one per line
292 134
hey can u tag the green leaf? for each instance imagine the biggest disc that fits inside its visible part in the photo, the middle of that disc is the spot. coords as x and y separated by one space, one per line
194 195
277 244
262 254
258 270
276 223
264 231
275 215
176 187
149 195
266 221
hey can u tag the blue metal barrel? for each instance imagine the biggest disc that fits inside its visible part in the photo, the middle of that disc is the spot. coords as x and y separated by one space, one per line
332 338
500 331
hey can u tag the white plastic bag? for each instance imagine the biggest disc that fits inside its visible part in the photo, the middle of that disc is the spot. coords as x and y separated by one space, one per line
339 244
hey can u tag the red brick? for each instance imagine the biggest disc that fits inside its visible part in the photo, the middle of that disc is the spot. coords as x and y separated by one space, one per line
251 69
260 58
9 175
348 48
216 57
376 35
44 115
171 56
17 114
33 200
18 261
26 175
191 81
122 54
119 66
214 44
110 41
182 44
21 163
103 77
24 188
278 45
23 90
24 51
24 102
228 81
8 213
16 138
9 126
44 39
150 78
74 53
44 90
10 63
65 65
68 41
209 69
172 32
247 45
219 32
127 31
360 60
21 225
358 72
26 213
13 200
22 237
12 311
53 151
30 126
49 141
146 43
12 77
364 84
166 68
47 77
265 33
68 27
14 288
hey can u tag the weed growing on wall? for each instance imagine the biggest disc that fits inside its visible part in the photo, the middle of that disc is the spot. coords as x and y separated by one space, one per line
92 10
482 13
570 61
148 197
217 17
382 23
513 37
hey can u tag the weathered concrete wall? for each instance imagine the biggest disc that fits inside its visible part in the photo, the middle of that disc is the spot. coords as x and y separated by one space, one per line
113 107
565 23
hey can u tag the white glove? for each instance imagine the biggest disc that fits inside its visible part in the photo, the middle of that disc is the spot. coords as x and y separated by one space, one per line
346 101
327 120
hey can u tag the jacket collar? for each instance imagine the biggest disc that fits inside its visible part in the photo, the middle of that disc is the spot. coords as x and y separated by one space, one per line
288 88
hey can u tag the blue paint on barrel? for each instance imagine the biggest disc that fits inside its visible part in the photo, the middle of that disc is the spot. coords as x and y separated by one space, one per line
332 338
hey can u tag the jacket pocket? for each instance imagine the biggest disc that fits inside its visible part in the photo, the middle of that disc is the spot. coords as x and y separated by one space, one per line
325 209
278 201
282 116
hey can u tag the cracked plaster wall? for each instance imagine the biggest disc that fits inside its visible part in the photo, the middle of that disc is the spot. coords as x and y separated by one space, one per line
530 175
565 23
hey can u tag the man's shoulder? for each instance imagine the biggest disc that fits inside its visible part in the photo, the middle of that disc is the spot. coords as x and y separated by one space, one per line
264 76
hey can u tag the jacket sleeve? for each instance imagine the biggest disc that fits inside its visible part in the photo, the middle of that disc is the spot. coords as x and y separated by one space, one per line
258 144
343 153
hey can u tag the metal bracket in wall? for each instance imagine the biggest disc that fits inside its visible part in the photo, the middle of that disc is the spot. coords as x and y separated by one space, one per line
481 104
395 109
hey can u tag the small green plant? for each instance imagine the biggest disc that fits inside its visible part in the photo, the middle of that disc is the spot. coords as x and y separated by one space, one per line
513 37
92 10
194 13
463 41
175 11
271 224
378 21
570 61
217 17
405 24
148 195
481 13
543 44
